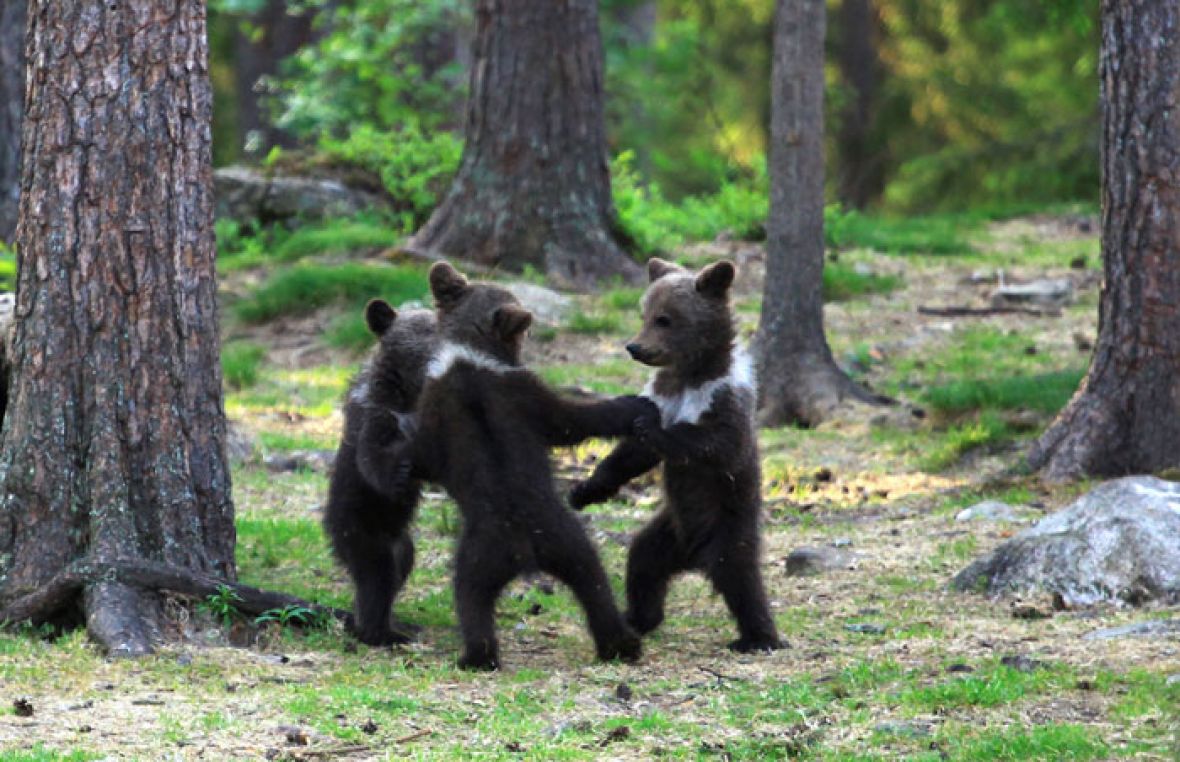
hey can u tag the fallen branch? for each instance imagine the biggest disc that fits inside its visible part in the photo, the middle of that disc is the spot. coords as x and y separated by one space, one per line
42 604
986 311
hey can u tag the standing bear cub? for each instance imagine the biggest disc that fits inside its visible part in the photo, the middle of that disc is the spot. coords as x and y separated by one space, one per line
704 387
485 427
369 505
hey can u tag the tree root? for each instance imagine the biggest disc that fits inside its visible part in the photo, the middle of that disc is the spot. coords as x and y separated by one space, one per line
113 594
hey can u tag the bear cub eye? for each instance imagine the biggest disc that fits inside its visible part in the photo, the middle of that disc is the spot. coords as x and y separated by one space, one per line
663 321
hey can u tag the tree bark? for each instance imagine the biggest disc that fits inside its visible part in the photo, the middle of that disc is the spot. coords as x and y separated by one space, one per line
257 57
12 99
861 179
113 448
1125 418
798 379
533 187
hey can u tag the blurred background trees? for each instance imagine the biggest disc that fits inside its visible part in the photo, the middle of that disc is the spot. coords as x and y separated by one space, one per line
930 106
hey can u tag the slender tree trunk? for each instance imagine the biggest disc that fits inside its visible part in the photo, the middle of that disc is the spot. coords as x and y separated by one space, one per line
861 179
12 99
533 187
278 33
113 449
1126 416
798 379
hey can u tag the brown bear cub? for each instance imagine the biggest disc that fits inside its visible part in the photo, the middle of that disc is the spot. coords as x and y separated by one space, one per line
369 507
704 387
485 426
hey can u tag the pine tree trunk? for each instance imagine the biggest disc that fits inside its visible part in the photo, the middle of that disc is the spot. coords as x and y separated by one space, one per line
860 178
798 380
1126 416
533 187
257 57
12 99
113 449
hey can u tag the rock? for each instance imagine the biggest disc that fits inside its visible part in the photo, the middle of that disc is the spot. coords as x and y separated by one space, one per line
982 277
1048 292
841 542
1022 663
903 729
319 461
240 444
1160 627
547 305
1173 679
816 560
248 195
866 628
1116 544
991 510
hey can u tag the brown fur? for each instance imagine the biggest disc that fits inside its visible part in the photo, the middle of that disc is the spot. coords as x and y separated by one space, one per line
712 500
485 428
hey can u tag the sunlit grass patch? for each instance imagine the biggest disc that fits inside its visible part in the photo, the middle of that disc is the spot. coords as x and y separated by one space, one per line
989 687
307 392
593 323
1051 741
987 429
610 377
945 235
40 753
306 287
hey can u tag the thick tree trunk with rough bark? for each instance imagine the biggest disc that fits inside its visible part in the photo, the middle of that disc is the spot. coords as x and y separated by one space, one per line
861 179
533 187
799 382
113 449
12 99
1126 416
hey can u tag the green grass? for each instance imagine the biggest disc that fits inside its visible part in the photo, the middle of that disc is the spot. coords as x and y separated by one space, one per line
306 287
1040 742
1043 392
947 448
7 268
239 363
843 282
241 247
281 441
350 331
619 376
997 686
593 324
943 235
39 753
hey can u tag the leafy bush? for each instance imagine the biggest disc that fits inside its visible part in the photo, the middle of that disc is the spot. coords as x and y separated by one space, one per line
306 287
415 166
842 282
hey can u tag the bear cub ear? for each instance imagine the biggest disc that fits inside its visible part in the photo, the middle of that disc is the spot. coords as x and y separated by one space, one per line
658 268
511 320
379 316
714 281
447 285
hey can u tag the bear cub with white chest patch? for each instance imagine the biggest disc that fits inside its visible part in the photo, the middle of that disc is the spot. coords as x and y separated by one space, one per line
485 427
704 386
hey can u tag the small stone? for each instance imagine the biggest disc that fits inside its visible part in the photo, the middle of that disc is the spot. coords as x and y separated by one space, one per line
22 707
370 727
1077 263
1083 342
823 475
841 542
1052 292
990 510
960 668
184 659
816 560
1173 679
1085 685
904 729
623 692
1027 612
1022 663
866 628
1160 627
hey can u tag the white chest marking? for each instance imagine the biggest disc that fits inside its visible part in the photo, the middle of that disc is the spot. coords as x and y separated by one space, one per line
448 354
689 405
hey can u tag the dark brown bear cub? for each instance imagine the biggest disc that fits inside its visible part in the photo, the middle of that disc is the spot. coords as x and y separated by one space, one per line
369 507
704 387
485 426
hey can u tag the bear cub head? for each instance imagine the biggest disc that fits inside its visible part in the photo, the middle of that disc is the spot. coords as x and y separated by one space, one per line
479 317
688 328
406 342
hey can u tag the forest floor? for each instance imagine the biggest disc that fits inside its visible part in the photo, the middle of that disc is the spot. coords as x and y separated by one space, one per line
884 661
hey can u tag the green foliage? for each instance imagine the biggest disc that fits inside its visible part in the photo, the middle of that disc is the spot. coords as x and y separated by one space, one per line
843 282
368 69
239 363
592 324
986 429
1049 742
7 267
654 224
306 287
242 246
293 615
1044 392
223 605
947 234
39 753
415 165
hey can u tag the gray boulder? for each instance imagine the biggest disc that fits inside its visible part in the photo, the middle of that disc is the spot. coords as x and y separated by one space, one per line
816 560
1118 544
1049 292
248 195
547 305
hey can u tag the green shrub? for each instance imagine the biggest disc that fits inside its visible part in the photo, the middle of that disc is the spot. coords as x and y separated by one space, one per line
1043 392
239 363
306 287
934 234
